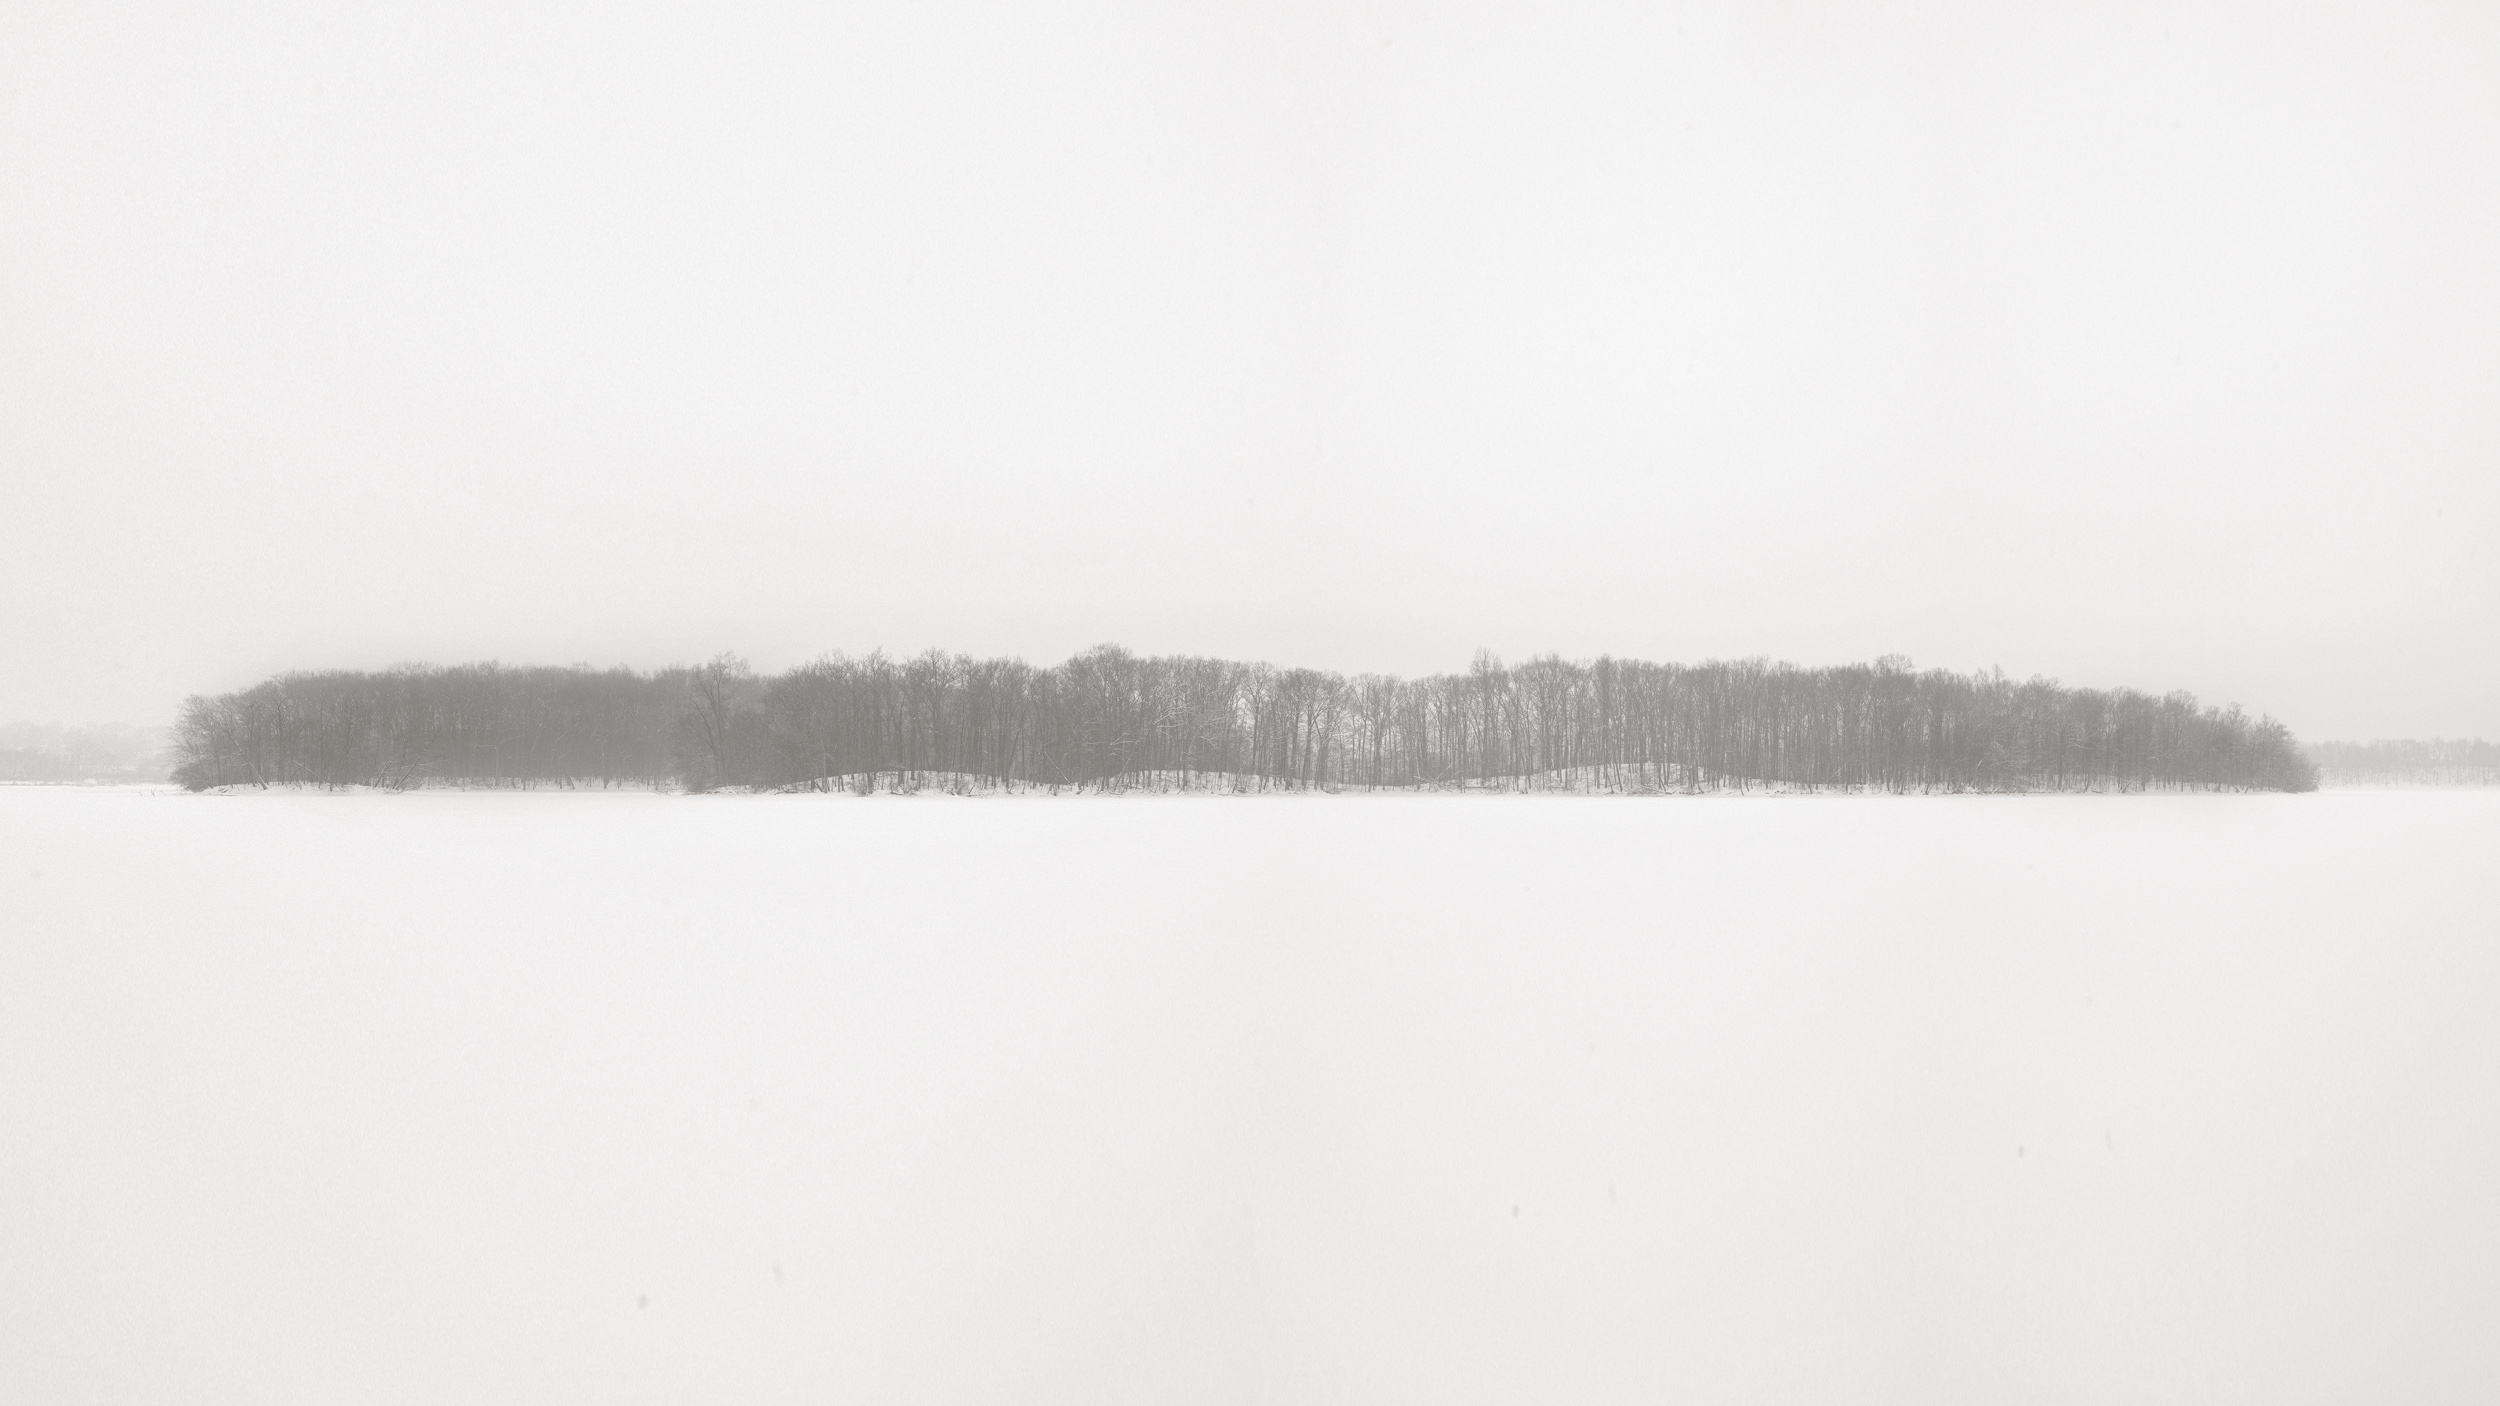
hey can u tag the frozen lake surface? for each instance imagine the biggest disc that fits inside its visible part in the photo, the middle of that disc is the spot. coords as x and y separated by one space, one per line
632 1098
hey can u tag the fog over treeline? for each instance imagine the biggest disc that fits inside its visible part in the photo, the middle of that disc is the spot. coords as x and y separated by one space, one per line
2439 761
97 752
1108 719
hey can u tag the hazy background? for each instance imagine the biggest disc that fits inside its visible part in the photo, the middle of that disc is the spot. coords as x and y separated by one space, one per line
2151 346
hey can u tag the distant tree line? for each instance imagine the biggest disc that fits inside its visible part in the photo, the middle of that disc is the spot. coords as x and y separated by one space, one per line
103 752
2437 762
1108 719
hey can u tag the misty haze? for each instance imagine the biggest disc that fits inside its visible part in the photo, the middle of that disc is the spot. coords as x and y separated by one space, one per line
1265 703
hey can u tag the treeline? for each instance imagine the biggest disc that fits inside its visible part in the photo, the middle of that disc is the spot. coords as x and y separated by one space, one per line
104 752
1108 719
2437 762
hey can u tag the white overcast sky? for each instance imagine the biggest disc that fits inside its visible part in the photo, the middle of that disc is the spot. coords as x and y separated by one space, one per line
2155 346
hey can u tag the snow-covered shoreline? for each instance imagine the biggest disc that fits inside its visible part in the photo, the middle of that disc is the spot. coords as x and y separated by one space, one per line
1587 782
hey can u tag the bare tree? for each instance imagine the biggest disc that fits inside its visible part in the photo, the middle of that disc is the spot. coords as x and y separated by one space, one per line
1108 718
715 692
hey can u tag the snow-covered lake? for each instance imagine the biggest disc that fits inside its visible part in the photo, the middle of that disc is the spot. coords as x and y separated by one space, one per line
632 1098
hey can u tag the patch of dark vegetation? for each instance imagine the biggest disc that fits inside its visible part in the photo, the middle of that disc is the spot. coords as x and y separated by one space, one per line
1602 725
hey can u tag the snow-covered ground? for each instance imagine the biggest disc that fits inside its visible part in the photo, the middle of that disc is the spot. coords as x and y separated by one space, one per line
583 1097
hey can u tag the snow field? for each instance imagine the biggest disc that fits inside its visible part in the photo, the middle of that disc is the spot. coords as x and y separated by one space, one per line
622 1097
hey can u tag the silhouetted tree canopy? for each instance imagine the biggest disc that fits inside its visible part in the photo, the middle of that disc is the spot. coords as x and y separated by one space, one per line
1109 719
